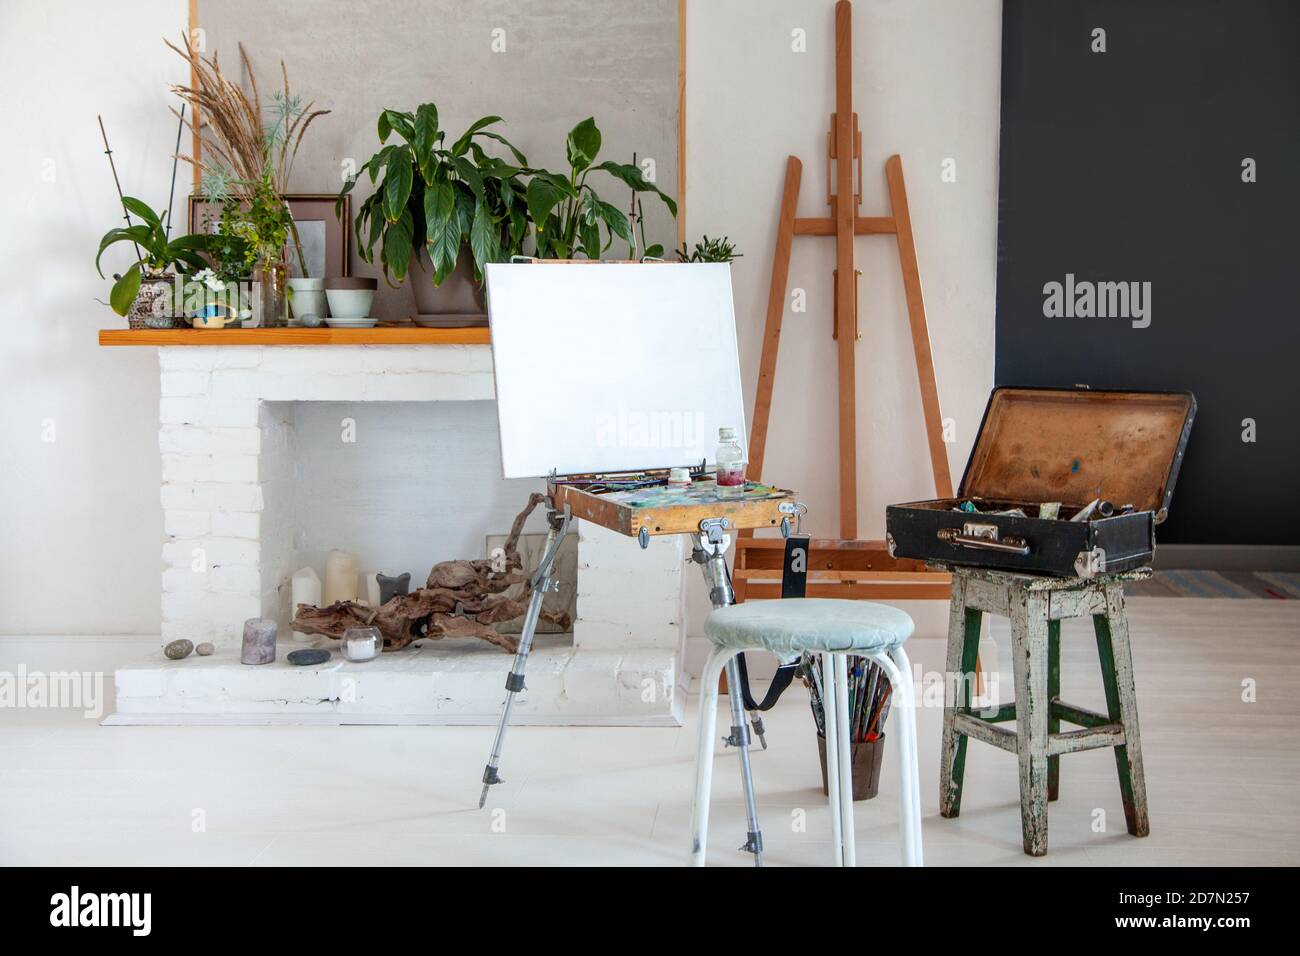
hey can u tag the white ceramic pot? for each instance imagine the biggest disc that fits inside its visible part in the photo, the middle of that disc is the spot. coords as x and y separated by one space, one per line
350 298
307 298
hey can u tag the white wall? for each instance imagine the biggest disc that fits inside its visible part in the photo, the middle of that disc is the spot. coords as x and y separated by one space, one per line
79 551
926 86
80 546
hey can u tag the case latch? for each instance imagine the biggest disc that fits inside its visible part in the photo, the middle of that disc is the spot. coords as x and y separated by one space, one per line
982 536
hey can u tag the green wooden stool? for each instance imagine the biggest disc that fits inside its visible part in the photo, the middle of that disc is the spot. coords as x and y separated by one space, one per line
1036 606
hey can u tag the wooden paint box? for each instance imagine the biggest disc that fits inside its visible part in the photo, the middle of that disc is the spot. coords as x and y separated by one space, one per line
1071 446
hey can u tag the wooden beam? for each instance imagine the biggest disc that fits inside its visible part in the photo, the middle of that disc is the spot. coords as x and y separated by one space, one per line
1088 738
404 335
775 313
862 226
920 330
972 726
846 278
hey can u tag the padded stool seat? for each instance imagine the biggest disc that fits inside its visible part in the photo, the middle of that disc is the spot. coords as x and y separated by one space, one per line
813 625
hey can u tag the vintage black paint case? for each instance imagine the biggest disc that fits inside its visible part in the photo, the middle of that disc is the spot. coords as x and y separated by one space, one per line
1067 445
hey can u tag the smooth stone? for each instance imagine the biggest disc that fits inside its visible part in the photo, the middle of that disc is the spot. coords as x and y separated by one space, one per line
308 656
205 649
390 587
178 649
259 641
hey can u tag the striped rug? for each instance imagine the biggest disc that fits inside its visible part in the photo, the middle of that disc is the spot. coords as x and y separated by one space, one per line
1276 585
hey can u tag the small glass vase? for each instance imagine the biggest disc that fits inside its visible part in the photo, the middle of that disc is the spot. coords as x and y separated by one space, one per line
270 298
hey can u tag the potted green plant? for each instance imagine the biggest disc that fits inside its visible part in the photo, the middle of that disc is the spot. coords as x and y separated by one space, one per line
440 210
143 292
710 250
570 216
250 167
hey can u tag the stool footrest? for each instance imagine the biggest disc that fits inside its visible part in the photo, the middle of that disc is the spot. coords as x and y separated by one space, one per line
1108 734
985 730
1079 716
1089 738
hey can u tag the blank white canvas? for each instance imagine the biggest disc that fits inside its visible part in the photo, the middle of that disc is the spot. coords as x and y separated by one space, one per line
612 367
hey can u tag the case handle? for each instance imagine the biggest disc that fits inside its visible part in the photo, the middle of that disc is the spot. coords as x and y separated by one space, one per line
1008 545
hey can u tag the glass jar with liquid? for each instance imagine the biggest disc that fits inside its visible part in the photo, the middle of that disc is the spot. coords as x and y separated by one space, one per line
730 462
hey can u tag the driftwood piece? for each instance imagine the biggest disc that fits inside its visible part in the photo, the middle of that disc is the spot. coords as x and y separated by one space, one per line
459 599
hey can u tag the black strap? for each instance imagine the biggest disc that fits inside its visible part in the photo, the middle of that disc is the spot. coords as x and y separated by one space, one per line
794 584
780 681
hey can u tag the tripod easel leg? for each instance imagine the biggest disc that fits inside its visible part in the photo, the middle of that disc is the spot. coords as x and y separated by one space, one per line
541 583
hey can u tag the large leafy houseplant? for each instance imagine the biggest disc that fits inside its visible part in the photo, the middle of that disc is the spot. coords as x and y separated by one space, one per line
568 212
438 196
156 253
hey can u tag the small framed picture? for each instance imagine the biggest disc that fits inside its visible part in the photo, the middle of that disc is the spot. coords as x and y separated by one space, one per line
324 237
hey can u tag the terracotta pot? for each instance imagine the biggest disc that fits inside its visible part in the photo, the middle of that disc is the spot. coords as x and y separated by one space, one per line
459 294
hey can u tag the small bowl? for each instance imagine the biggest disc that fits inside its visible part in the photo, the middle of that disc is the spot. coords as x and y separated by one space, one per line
361 644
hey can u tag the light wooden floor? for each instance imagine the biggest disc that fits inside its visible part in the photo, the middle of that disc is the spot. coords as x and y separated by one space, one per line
1223 775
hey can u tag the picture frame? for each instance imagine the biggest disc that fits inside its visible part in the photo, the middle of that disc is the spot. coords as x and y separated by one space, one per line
326 238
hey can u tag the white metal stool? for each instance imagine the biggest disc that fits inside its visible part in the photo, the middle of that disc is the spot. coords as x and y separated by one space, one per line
832 628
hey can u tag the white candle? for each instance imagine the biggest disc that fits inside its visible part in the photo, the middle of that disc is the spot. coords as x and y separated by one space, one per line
305 589
371 579
340 577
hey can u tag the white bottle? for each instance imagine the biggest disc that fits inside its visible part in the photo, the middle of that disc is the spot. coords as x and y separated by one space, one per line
730 461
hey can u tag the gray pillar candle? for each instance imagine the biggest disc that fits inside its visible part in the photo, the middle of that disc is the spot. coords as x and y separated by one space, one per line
259 641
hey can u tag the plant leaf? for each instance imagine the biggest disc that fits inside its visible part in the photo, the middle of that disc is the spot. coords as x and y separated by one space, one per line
397 183
442 225
390 120
458 148
631 176
582 144
520 158
125 290
545 191
426 128
139 234
141 209
614 218
398 242
484 239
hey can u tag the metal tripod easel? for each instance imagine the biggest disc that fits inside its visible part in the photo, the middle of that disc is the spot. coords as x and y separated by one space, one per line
709 550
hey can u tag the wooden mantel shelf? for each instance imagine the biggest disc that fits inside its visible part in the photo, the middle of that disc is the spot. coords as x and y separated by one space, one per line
404 335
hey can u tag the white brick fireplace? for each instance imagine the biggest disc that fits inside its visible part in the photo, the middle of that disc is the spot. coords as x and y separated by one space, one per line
257 481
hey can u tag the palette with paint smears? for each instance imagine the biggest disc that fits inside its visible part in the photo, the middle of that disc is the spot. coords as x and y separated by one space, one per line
668 509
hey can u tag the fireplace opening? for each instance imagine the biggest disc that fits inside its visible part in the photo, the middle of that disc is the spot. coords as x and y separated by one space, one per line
401 485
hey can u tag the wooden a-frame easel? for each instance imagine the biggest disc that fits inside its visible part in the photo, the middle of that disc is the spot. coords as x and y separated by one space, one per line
844 567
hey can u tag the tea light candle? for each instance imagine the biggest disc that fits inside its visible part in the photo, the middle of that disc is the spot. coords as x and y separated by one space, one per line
341 570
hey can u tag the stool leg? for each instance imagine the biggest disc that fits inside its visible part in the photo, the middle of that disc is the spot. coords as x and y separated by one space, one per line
704 753
1029 659
831 711
845 732
899 670
1053 697
1121 705
963 648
